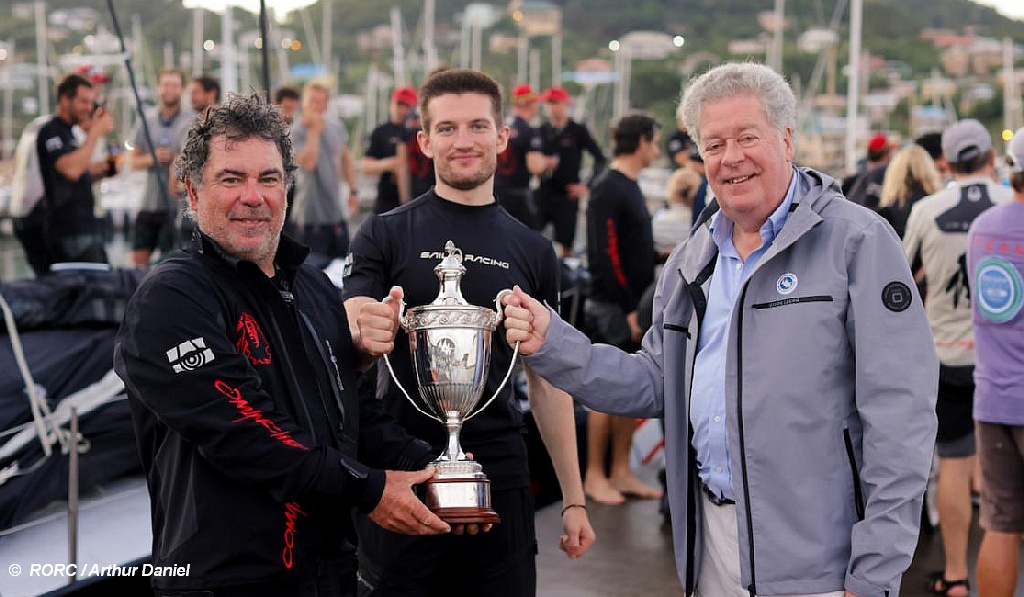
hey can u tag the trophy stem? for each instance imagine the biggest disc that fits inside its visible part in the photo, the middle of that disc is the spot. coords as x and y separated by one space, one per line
454 452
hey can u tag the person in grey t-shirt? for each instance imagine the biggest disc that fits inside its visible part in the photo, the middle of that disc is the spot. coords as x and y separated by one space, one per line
321 150
154 224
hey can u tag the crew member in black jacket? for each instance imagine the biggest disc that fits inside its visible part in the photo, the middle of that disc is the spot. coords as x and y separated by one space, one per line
621 257
563 141
241 376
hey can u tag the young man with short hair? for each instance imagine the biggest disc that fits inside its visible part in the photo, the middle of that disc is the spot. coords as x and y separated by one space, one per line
394 254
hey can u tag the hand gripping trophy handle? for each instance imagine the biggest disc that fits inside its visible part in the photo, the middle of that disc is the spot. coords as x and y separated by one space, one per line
499 315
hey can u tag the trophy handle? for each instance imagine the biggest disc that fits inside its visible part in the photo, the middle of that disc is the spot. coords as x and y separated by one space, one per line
499 312
515 352
391 370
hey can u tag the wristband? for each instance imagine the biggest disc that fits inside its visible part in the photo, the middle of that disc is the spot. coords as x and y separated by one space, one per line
573 506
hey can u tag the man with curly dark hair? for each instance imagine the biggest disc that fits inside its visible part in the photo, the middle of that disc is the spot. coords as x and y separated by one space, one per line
255 442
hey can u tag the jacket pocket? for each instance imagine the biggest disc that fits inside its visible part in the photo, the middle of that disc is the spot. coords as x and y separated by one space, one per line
794 300
675 327
858 491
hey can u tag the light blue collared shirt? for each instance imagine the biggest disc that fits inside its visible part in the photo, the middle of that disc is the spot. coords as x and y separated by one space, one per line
707 399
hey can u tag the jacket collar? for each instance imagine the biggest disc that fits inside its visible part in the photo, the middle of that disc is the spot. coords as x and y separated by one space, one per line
814 191
290 254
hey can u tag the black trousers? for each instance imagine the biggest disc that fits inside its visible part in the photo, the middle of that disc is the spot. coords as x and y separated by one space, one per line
499 562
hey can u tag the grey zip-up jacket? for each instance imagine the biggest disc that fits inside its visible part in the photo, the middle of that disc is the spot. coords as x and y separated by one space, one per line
830 397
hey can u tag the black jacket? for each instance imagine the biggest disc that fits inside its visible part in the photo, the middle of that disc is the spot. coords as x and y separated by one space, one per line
252 435
569 143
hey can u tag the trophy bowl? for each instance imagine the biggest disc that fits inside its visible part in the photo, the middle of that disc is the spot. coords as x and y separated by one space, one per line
450 342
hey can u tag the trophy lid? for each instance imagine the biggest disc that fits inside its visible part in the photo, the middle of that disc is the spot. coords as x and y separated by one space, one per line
449 272
450 309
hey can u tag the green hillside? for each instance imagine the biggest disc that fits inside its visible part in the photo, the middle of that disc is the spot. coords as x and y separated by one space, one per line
891 30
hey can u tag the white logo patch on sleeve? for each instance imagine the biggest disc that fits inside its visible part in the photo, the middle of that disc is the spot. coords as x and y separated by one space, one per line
189 355
54 144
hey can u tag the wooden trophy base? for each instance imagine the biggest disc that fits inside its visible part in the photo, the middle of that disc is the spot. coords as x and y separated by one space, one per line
468 515
461 500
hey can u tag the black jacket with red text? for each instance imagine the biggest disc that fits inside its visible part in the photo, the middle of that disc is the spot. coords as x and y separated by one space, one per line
255 442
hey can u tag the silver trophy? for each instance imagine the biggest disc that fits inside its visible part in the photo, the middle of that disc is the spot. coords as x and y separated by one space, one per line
450 342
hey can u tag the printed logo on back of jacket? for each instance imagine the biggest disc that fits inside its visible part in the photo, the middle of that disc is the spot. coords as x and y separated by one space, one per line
1000 290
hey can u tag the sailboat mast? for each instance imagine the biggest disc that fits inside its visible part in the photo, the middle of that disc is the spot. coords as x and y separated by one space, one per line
398 59
1011 96
197 41
429 49
41 63
228 56
853 91
775 58
325 40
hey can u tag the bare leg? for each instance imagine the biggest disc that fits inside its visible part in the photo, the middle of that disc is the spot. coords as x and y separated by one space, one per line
595 483
622 476
954 502
997 564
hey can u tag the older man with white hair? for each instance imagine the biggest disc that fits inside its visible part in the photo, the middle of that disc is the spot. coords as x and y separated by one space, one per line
798 436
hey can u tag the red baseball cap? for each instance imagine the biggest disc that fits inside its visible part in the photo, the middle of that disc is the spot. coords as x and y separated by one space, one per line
404 95
523 93
92 73
555 94
878 142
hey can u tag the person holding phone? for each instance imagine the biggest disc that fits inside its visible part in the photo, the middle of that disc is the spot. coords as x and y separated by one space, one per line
72 233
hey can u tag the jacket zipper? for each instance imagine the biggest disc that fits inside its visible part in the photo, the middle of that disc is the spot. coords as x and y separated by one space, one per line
331 365
858 492
743 450
699 308
296 386
691 456
289 300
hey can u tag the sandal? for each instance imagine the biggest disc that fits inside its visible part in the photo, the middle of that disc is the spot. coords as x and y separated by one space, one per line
939 585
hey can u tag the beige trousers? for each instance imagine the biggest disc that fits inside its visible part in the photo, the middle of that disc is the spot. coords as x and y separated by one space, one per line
720 560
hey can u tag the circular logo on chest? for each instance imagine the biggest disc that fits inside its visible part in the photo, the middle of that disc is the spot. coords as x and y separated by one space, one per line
786 283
